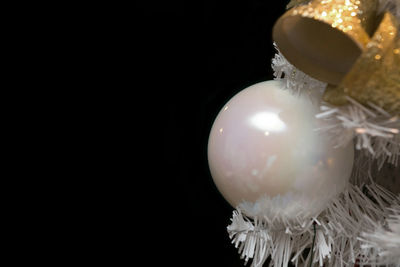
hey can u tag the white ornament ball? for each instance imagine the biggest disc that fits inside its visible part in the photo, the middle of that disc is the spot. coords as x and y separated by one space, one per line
264 145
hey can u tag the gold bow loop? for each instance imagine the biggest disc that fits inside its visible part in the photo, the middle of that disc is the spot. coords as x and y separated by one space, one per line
346 44
323 38
375 76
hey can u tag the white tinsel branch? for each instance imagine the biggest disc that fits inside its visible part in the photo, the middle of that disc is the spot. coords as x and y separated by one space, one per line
337 233
382 245
374 129
293 79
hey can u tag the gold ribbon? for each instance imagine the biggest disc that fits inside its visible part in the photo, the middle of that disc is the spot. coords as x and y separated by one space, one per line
323 38
355 18
375 76
331 41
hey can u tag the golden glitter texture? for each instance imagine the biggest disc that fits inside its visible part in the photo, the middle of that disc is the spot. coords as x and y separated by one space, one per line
375 77
324 38
353 17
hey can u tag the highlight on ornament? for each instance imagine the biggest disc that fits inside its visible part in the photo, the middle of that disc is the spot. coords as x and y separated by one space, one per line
263 148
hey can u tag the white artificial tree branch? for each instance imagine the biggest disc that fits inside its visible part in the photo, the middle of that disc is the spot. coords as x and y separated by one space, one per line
339 227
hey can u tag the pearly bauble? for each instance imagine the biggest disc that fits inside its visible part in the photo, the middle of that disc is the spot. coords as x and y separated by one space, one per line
264 145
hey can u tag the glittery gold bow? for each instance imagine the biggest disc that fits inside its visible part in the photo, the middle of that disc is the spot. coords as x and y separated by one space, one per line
375 76
323 38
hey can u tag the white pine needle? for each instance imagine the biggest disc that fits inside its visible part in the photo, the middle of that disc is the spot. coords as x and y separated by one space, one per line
293 79
374 130
349 229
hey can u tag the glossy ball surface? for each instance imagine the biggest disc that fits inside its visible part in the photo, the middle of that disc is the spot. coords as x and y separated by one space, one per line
264 143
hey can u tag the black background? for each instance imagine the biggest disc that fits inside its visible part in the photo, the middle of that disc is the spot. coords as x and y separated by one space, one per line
200 55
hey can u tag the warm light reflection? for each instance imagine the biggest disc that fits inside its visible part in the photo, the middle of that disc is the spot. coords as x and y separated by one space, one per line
267 122
360 130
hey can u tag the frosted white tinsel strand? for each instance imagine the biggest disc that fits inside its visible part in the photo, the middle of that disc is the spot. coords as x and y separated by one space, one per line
382 246
337 242
294 80
373 128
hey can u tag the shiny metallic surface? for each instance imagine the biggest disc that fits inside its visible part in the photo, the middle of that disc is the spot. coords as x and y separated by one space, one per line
263 143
